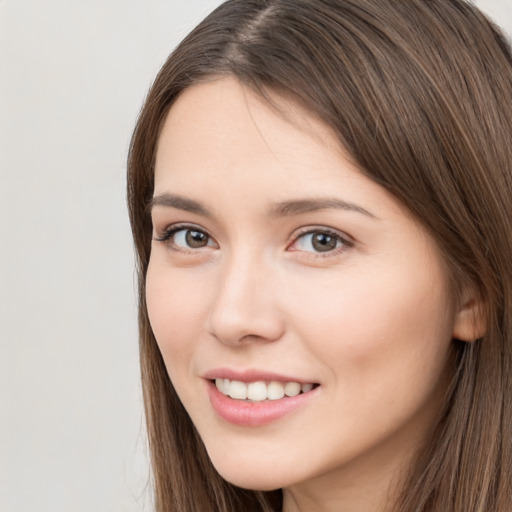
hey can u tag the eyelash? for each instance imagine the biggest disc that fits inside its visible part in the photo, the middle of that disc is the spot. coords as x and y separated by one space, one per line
345 242
167 237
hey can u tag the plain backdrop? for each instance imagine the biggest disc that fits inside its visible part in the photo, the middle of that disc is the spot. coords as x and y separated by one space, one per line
73 76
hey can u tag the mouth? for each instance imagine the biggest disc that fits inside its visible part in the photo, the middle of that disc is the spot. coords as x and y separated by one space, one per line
254 397
261 391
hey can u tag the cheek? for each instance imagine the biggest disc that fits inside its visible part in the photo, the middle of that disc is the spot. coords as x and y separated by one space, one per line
381 327
176 313
384 346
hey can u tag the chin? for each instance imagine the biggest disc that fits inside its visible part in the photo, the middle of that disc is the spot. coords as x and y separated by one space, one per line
247 475
253 482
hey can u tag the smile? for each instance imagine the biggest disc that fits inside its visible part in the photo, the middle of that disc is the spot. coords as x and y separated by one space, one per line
260 391
252 403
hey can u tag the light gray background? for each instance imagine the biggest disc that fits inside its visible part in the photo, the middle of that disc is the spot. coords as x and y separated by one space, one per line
73 75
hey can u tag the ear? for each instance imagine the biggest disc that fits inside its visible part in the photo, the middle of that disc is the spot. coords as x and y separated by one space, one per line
470 320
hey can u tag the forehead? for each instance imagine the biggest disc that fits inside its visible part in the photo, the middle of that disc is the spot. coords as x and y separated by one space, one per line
225 115
222 136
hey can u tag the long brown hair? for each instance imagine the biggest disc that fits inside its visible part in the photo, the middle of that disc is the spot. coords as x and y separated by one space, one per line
420 93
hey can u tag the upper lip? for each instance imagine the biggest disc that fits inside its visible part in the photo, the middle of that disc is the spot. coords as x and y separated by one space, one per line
252 375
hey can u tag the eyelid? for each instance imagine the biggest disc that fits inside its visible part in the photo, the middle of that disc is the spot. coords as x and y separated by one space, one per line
345 239
165 235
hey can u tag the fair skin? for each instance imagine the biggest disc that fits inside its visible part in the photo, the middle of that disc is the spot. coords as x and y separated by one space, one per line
275 258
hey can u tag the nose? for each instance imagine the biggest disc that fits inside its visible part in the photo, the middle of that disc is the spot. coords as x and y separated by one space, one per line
245 304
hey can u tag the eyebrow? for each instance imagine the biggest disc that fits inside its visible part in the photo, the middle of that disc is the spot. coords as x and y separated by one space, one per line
282 209
179 202
300 206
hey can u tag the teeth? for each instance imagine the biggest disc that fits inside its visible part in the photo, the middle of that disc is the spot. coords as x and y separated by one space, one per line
275 391
222 385
237 390
257 391
293 388
260 391
307 387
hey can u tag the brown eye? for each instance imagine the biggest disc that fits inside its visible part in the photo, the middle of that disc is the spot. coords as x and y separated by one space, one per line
323 242
187 238
196 239
319 242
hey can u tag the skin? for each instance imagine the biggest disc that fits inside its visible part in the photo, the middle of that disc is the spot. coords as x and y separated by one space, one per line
371 320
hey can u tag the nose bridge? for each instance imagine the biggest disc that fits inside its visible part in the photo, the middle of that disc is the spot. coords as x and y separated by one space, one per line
244 302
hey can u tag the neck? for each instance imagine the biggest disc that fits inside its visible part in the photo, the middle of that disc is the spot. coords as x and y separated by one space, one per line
371 483
336 492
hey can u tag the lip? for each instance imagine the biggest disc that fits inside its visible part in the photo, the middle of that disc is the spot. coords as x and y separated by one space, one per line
254 414
251 375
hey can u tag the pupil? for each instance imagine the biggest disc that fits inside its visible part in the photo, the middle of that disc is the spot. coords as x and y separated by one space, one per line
196 239
323 242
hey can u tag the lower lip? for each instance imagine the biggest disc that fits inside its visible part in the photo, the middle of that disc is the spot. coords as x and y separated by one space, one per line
254 414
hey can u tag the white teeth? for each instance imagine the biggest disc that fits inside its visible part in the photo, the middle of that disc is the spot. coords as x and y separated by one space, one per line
237 390
259 391
220 385
306 387
292 388
275 391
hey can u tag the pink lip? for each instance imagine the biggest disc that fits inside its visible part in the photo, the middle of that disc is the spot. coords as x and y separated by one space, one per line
250 375
254 414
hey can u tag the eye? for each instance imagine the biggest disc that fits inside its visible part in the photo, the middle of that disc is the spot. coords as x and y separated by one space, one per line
191 238
186 238
319 241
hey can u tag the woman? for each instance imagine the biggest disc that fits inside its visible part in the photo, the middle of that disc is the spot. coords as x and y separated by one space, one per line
320 195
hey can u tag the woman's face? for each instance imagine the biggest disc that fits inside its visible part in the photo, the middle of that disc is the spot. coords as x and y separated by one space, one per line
277 267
